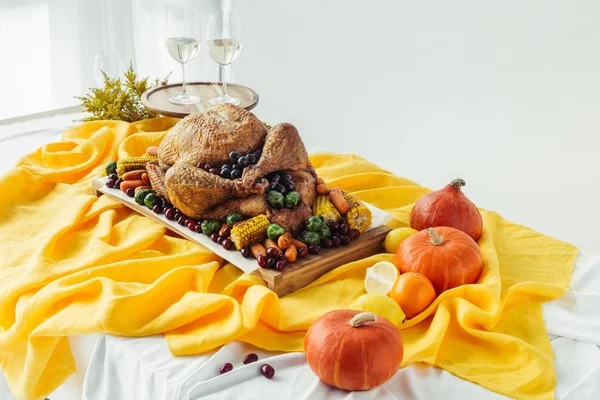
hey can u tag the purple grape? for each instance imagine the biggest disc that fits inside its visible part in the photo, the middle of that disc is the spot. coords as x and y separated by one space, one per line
246 253
157 209
271 263
110 183
345 240
280 265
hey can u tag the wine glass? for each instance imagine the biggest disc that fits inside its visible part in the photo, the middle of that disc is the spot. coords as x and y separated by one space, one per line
183 37
224 46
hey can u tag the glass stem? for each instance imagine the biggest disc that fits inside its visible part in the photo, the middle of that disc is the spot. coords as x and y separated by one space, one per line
183 82
225 82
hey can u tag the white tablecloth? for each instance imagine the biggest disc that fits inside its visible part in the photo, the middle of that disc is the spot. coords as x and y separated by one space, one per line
110 367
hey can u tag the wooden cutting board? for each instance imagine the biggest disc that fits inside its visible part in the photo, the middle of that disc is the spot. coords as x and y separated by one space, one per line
157 99
294 276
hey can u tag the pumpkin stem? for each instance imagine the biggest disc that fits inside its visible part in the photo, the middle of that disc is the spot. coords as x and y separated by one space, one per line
434 237
361 318
457 183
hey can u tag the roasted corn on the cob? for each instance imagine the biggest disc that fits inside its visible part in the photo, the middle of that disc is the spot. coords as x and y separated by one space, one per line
359 216
325 208
250 231
133 163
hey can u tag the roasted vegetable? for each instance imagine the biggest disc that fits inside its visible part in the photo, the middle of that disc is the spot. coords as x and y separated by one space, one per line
284 240
274 231
151 199
234 218
111 168
275 199
325 232
358 216
250 231
292 199
309 238
338 200
210 226
315 223
132 163
141 195
325 208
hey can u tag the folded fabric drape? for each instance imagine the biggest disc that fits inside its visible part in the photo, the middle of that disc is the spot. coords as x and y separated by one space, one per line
71 263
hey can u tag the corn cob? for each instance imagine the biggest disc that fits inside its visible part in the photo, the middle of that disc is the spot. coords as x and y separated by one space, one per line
250 231
133 163
325 208
359 216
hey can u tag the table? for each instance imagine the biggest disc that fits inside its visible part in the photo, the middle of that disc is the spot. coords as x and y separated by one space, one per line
142 368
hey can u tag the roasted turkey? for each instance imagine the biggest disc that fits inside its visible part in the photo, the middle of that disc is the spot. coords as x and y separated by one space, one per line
209 137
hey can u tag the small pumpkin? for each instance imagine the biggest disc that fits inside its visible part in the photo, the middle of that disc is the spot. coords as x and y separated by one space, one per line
447 256
353 350
448 206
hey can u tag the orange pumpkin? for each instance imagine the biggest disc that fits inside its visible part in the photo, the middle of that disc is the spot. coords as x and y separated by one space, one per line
448 206
447 256
353 350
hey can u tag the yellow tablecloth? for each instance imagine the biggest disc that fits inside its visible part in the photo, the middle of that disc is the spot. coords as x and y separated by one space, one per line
71 263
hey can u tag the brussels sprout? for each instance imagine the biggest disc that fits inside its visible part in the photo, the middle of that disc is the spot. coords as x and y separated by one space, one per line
275 198
234 218
111 168
325 232
151 200
141 195
309 238
210 226
315 223
292 199
274 231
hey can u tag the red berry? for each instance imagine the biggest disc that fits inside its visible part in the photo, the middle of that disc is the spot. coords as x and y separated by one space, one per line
226 368
246 253
198 228
157 209
262 261
354 234
130 192
333 226
110 183
271 263
267 371
344 229
326 243
312 249
250 358
227 231
302 252
181 220
280 265
227 244
191 225
221 239
214 237
336 241
345 240
187 221
170 214
215 171
273 252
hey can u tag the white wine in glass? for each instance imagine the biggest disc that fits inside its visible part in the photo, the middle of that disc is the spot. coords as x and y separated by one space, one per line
224 46
183 37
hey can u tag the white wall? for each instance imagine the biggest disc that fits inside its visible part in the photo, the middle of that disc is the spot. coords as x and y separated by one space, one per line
505 94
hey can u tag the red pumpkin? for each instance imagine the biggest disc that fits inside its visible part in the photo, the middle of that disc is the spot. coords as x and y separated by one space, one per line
447 207
447 256
353 350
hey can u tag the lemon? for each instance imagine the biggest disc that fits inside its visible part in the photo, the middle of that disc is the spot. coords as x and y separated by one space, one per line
380 278
395 237
380 305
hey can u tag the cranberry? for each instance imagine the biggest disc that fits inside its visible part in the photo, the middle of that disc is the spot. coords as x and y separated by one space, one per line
215 171
110 183
280 265
221 239
302 252
246 253
181 220
225 368
345 240
227 244
326 243
191 225
267 371
113 177
130 192
273 252
354 234
207 166
250 358
177 215
336 241
262 261
214 237
157 209
170 214
271 263
312 249
333 226
198 228
344 229
226 231
187 221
